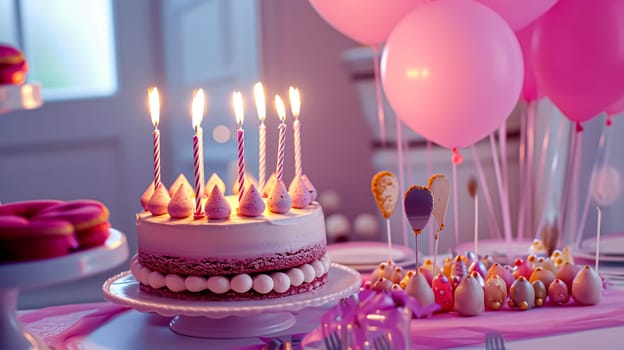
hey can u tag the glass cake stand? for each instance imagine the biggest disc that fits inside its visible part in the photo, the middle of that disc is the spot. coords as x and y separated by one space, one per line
47 272
231 319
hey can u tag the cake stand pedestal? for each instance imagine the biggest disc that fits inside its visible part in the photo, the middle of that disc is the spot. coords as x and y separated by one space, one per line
19 97
46 272
231 319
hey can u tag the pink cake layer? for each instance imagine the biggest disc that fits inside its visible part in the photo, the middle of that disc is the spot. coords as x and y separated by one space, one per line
233 296
223 266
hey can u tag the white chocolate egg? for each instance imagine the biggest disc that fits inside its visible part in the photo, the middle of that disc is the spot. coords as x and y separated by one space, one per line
502 272
495 293
469 297
542 274
418 287
567 274
587 287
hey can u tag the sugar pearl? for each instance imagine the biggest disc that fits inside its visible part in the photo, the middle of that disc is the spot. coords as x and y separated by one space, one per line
218 284
195 283
156 280
241 283
319 269
308 272
296 276
175 283
262 283
281 282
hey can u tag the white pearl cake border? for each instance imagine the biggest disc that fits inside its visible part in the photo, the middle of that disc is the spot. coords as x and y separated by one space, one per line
261 283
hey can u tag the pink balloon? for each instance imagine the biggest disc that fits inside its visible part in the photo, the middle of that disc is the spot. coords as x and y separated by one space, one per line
519 13
529 86
452 71
578 55
616 108
366 21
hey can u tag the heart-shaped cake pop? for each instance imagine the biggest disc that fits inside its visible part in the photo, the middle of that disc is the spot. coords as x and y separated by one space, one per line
440 189
385 187
418 207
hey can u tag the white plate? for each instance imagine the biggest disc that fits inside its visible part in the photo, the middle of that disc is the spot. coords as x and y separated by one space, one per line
610 245
123 289
365 256
497 249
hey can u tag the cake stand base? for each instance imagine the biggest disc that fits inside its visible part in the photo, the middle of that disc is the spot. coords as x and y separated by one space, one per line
232 326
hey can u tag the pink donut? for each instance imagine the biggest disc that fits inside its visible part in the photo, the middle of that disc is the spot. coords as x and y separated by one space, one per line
27 209
24 239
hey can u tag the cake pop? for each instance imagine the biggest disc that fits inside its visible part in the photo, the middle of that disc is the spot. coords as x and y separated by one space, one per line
495 293
540 292
418 287
558 292
469 297
587 287
443 292
522 294
542 274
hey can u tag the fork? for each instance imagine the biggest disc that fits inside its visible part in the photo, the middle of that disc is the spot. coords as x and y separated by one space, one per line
381 342
494 341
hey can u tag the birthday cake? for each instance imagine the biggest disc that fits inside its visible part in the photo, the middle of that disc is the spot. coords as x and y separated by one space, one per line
237 256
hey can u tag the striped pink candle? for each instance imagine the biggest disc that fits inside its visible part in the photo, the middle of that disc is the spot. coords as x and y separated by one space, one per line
261 109
154 107
197 113
281 112
237 100
199 211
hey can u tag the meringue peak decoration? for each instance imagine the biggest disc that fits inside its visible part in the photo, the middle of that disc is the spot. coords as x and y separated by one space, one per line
217 207
440 189
159 200
299 193
181 180
268 186
385 188
310 187
149 191
212 181
249 179
279 200
181 205
251 205
418 206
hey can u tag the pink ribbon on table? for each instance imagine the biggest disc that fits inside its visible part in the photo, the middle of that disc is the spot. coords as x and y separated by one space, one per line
55 325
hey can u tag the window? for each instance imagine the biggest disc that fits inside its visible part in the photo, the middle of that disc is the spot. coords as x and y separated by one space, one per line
69 45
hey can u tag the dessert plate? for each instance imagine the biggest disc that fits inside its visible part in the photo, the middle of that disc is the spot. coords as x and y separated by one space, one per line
231 319
611 245
364 256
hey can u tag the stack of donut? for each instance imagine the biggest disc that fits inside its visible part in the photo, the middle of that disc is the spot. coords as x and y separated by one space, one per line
40 229
13 66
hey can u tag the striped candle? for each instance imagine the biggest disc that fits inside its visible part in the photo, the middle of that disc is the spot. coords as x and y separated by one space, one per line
261 108
237 101
154 107
281 112
199 211
295 107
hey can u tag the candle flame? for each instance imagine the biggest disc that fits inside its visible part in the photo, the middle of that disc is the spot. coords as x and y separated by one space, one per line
295 101
281 111
237 100
197 107
260 101
154 105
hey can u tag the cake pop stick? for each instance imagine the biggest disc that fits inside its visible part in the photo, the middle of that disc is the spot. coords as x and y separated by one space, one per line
418 204
440 189
385 188
599 219
472 191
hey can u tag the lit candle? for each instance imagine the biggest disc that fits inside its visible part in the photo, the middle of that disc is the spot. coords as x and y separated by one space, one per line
281 112
154 107
295 107
237 100
197 112
261 107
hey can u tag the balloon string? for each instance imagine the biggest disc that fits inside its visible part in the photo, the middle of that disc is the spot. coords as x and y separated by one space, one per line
503 199
572 208
522 189
529 166
598 221
399 142
502 137
494 229
549 179
429 158
542 162
476 224
599 161
380 106
456 159
566 180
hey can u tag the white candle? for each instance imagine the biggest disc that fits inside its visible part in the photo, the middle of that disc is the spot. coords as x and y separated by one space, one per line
154 107
295 106
599 219
261 108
